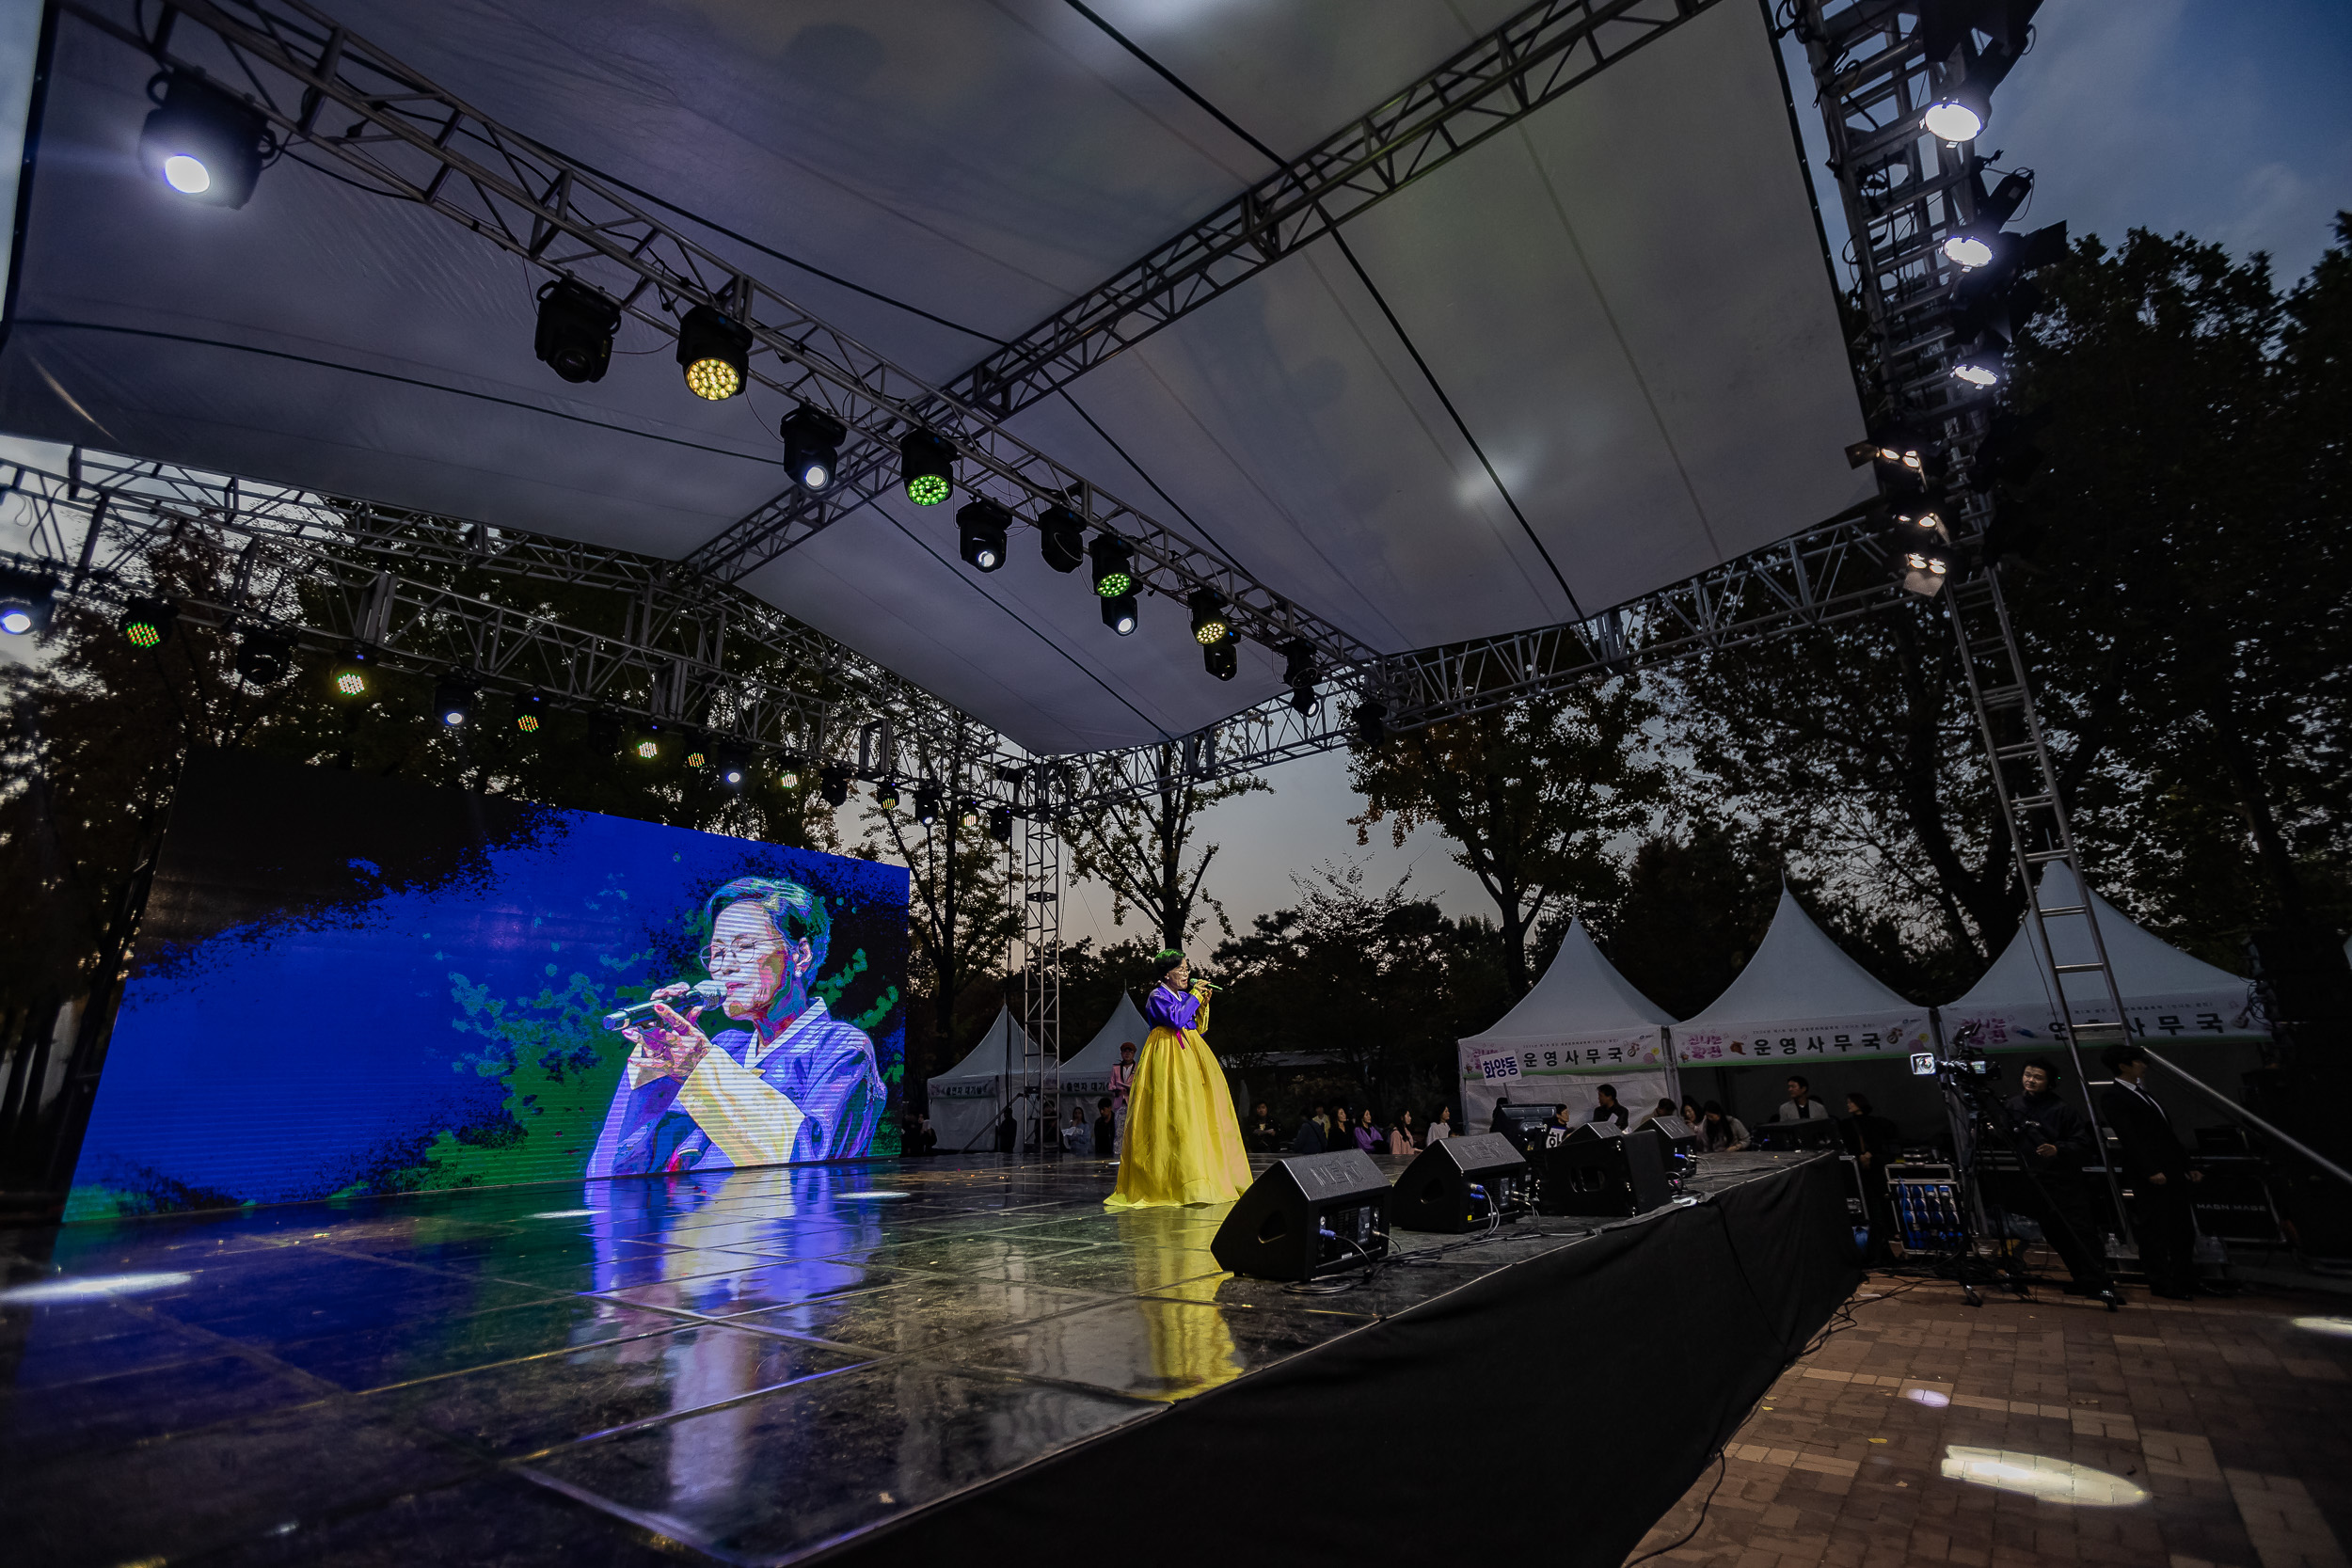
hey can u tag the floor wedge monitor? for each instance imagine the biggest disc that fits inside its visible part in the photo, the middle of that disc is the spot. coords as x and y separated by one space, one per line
1459 1184
1588 1174
1307 1216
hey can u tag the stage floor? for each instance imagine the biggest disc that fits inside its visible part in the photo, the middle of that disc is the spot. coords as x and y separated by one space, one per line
757 1364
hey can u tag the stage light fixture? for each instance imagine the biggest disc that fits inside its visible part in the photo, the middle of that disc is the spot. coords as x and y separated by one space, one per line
527 722
715 354
967 813
576 327
1209 623
452 702
1000 824
1119 614
732 767
1960 114
351 682
789 774
696 755
648 750
1925 571
926 803
1299 662
812 448
980 528
28 600
1967 248
263 658
1371 722
204 142
926 467
1302 700
1222 660
834 784
1978 367
148 623
1114 567
528 709
886 795
1061 538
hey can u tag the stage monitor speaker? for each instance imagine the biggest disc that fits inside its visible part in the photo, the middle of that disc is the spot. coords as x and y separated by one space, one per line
1459 1184
1309 1216
1523 1124
1603 1175
1813 1133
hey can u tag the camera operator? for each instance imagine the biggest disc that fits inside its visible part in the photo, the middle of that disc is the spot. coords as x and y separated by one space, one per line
2053 1140
2157 1166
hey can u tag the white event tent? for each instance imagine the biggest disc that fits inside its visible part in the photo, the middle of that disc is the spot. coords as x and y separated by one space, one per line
2168 995
1800 999
1088 1073
968 1097
1580 1026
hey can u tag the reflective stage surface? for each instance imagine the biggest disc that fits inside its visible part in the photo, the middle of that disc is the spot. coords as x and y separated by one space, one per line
754 1363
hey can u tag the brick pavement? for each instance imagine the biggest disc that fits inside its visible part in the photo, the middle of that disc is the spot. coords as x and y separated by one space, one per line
2207 1434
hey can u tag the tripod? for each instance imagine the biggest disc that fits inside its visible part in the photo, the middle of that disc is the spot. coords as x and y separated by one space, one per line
1981 1114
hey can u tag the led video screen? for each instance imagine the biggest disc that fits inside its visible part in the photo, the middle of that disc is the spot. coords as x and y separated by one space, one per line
350 985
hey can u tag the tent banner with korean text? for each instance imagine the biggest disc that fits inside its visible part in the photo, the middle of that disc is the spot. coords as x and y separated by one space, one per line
1620 1051
1788 1040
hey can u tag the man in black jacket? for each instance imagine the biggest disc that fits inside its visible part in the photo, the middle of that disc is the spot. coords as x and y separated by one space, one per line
2155 1166
2052 1140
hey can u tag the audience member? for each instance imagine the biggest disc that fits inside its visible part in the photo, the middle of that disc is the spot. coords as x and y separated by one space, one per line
1801 1105
1123 1084
1605 1107
1078 1137
1260 1132
2156 1167
1105 1128
1401 1143
1720 1132
1442 1127
1367 1131
1312 1134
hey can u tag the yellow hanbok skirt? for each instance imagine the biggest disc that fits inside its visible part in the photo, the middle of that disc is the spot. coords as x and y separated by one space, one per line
1184 1142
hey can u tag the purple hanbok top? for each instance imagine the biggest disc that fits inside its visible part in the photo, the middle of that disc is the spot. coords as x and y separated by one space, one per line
1172 1009
823 1066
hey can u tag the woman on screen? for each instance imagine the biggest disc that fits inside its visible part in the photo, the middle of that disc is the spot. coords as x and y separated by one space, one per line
1184 1142
783 1082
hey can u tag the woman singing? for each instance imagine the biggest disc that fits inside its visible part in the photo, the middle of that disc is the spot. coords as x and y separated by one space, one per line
1184 1143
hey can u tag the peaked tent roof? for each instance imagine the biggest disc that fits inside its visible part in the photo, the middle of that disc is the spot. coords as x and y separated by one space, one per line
2145 965
1000 1050
1799 973
1580 992
1100 1054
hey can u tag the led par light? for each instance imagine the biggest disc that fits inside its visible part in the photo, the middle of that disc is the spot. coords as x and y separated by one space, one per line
926 467
148 623
715 354
1114 567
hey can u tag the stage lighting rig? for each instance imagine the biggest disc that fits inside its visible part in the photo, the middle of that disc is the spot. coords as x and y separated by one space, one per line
1114 567
1299 674
926 467
926 803
1222 660
732 767
28 601
648 749
886 795
1981 242
1061 538
788 771
812 448
453 700
1977 365
576 328
148 623
697 753
1000 824
967 812
204 142
529 708
1209 623
1119 614
834 784
980 529
715 354
263 656
1372 721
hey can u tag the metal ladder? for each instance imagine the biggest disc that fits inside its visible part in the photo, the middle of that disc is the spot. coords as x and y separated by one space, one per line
2025 782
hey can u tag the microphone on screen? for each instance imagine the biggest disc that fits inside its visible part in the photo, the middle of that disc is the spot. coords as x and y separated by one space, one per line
709 993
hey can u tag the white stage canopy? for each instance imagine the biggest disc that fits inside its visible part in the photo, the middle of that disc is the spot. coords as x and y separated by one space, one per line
2168 995
1800 999
1579 1027
1623 297
966 1098
1088 1073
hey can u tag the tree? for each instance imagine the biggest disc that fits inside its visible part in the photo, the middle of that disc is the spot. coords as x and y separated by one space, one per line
1534 798
1139 849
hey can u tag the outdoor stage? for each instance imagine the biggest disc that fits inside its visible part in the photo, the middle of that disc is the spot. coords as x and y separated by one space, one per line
949 1361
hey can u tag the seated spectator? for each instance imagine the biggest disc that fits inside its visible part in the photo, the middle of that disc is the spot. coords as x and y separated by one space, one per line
1366 1132
1106 1128
1401 1143
1606 1108
1801 1105
1720 1132
1442 1127
1260 1132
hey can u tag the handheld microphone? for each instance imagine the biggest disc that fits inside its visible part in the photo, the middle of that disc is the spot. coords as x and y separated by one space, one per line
709 993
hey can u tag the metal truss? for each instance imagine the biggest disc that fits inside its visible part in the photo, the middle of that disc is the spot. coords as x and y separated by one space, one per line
1826 575
411 590
1034 881
325 87
1484 89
